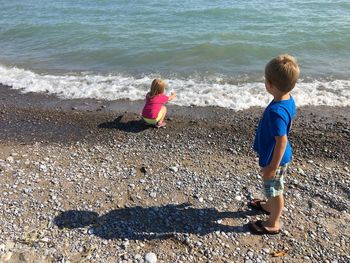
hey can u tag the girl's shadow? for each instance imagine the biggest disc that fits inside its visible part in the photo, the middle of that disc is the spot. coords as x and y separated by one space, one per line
146 223
134 126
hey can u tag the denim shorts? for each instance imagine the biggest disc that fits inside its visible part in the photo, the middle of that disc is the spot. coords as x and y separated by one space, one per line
274 187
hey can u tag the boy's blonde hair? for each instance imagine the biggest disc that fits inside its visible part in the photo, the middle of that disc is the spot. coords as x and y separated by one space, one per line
282 72
157 87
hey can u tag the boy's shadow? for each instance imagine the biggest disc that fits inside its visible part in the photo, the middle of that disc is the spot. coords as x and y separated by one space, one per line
134 126
146 223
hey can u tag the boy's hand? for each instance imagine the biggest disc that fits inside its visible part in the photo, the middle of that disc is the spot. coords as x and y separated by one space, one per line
268 173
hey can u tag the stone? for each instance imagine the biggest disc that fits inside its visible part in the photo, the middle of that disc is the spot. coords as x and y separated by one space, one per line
150 258
250 254
238 198
10 159
174 169
301 171
42 167
9 245
6 257
45 240
266 250
125 244
2 247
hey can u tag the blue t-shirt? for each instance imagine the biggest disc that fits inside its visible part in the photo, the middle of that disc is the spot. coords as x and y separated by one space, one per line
276 121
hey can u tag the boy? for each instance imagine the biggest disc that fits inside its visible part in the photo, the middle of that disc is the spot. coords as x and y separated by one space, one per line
271 141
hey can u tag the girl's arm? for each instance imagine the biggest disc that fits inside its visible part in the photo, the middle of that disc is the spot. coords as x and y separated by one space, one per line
172 96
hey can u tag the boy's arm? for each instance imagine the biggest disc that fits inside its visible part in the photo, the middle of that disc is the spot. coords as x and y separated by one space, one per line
269 171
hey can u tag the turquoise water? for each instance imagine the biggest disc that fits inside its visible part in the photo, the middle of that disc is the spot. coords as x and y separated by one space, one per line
207 41
231 37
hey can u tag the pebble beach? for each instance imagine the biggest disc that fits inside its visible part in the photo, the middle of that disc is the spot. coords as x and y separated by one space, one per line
86 181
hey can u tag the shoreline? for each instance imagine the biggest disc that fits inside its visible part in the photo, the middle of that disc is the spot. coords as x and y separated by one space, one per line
44 117
16 99
85 180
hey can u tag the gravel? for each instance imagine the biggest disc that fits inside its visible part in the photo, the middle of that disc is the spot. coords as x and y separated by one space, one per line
76 185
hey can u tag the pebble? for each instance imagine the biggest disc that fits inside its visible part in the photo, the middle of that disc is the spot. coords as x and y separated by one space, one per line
150 258
266 250
238 198
2 247
108 179
9 245
250 254
45 239
174 169
301 171
42 167
125 244
10 159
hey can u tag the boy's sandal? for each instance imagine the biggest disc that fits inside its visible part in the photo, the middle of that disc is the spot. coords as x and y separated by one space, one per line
256 205
257 228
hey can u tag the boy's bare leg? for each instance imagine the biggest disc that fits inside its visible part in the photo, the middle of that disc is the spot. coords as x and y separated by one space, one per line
266 205
275 206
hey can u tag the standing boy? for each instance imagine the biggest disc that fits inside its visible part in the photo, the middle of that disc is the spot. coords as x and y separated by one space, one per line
271 141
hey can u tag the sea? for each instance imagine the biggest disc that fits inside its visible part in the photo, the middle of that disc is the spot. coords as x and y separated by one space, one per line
211 52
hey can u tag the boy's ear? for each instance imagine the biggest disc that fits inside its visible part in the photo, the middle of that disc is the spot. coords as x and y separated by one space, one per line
270 85
267 83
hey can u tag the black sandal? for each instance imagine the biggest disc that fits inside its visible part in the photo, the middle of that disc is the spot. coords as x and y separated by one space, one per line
261 229
256 205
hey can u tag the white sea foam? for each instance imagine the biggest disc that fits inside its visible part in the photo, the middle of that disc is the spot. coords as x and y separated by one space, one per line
193 91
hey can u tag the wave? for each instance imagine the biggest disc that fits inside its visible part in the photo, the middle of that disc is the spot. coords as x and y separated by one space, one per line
212 90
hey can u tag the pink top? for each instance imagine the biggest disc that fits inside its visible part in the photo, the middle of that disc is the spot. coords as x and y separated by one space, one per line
153 106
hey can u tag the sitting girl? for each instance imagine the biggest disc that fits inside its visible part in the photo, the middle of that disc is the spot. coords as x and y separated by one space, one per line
154 111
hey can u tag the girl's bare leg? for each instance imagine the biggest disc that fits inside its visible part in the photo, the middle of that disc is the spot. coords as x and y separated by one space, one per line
164 111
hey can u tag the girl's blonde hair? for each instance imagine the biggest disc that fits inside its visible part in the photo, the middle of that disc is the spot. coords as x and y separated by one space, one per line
157 87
